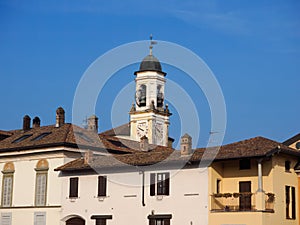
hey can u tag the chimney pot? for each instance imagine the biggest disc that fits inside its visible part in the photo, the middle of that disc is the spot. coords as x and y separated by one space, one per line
36 122
60 117
26 122
88 156
93 123
144 144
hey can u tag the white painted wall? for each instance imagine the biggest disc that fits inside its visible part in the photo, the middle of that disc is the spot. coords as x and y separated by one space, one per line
187 202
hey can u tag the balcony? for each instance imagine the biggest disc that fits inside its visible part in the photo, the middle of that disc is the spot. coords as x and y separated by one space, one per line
240 202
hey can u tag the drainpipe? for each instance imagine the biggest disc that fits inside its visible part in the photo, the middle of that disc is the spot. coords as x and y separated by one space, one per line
143 187
260 194
260 181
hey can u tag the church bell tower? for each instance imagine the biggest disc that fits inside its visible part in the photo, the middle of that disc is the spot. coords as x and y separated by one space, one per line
149 116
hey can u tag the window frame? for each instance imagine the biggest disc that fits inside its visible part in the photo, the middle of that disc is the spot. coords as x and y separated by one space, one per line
5 191
7 215
37 197
43 215
73 181
290 202
245 164
102 186
160 184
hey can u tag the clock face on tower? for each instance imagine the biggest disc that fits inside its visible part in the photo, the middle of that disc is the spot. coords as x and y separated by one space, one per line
142 129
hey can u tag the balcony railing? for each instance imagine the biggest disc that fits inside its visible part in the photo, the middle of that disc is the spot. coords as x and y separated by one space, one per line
237 202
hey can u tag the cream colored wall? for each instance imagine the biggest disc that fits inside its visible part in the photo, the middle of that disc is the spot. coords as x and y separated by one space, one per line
282 178
23 199
274 180
187 202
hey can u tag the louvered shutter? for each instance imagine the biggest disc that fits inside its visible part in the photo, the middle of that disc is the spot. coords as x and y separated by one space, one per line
40 218
167 184
102 182
41 186
7 191
152 184
5 218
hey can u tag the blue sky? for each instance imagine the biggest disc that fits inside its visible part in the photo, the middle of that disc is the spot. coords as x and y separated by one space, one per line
252 47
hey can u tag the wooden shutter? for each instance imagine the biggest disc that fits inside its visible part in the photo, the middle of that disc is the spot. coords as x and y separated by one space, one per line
40 218
73 187
5 218
166 222
40 189
167 184
7 191
293 203
102 182
152 184
152 221
287 202
100 221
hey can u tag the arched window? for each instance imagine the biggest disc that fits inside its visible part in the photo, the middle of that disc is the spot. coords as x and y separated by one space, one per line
160 96
41 169
7 184
140 95
75 221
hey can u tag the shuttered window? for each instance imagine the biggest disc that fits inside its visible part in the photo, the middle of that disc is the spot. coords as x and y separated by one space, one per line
39 218
290 202
5 219
7 190
41 189
159 184
73 192
160 219
102 182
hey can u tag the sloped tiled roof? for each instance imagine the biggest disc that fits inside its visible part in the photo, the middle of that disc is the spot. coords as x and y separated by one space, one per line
254 147
66 135
292 140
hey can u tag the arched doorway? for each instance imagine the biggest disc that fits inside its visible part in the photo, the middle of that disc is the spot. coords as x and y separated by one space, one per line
75 221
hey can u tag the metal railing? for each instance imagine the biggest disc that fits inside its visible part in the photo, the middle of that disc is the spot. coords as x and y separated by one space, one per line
239 202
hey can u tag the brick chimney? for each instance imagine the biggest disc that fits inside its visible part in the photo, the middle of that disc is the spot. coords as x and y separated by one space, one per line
93 123
144 143
88 156
186 145
26 122
60 117
36 122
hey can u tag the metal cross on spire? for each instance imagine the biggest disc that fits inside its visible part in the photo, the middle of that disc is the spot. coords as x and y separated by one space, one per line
151 44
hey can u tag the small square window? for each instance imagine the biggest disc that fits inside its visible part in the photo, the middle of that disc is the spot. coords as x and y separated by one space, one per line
245 164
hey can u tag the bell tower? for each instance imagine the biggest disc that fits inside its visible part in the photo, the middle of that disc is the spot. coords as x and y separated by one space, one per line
149 116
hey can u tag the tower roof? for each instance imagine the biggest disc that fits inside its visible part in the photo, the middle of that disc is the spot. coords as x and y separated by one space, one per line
150 63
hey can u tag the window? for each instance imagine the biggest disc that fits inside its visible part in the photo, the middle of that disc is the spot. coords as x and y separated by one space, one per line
5 219
159 219
102 182
22 138
101 219
290 202
41 136
40 189
159 184
7 184
287 166
245 164
39 218
218 186
41 182
73 193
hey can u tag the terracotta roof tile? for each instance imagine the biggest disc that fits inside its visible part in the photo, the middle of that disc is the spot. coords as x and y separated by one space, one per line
254 147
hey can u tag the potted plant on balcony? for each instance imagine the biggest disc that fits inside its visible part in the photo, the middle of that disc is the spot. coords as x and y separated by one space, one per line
227 195
218 195
236 195
271 197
